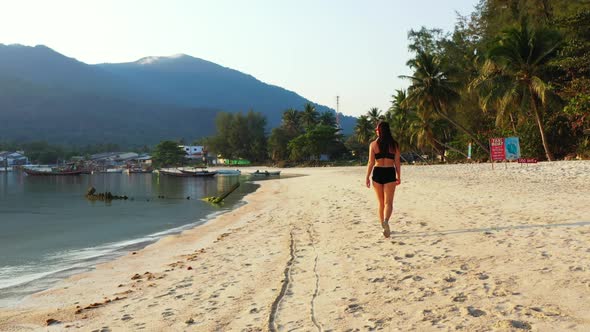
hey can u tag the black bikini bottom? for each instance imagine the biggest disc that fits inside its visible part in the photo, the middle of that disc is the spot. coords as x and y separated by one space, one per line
383 175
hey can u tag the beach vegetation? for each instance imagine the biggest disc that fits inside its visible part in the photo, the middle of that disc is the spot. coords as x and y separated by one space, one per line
309 116
168 154
240 136
510 68
375 115
316 141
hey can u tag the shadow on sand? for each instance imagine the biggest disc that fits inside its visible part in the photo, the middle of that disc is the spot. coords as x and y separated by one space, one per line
488 230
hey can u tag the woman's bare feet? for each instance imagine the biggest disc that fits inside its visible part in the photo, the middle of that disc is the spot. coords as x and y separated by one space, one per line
386 230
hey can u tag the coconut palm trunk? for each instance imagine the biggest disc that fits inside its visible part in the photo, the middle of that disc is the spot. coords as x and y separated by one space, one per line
548 153
451 148
460 127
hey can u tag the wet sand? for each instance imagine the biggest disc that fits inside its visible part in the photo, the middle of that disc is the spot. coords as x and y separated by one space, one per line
472 249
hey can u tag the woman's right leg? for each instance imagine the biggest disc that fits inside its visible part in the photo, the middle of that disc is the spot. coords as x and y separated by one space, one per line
378 187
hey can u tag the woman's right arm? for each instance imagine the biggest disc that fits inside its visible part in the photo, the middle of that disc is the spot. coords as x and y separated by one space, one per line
370 165
398 166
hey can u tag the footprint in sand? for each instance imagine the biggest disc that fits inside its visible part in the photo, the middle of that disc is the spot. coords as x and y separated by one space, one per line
449 279
460 298
475 312
514 324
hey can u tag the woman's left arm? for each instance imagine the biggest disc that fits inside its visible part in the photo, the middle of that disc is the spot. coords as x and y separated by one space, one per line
398 166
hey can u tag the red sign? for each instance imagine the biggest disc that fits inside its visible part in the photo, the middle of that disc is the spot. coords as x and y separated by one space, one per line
527 160
497 149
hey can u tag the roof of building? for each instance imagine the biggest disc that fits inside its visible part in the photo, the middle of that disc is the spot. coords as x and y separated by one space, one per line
6 154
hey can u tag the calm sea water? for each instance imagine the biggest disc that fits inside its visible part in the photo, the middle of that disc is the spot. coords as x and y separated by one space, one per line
48 230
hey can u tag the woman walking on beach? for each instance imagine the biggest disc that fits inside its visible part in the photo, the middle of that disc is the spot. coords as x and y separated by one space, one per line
384 163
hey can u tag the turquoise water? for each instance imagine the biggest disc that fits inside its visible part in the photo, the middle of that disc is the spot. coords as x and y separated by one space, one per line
48 230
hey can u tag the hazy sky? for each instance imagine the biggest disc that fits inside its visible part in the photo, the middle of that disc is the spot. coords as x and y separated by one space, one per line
319 49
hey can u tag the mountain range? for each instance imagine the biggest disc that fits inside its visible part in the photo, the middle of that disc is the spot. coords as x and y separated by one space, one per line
45 95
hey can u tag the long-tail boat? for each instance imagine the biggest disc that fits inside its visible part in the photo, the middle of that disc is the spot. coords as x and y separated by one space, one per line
202 172
52 172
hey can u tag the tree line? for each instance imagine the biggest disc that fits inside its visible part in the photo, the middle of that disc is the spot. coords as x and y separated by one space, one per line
511 68
303 135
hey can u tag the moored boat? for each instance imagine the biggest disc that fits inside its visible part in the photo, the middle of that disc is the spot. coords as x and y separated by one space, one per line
265 173
202 172
109 170
228 172
52 172
177 173
138 171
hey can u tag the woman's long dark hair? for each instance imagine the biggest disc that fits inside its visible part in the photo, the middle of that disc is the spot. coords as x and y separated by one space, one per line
385 140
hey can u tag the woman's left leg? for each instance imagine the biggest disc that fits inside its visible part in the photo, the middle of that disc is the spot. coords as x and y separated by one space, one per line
378 187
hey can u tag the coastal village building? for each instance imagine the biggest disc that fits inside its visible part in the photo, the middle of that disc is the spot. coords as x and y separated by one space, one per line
14 158
119 158
194 151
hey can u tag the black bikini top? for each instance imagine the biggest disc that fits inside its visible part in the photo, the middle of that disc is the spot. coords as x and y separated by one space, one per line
387 155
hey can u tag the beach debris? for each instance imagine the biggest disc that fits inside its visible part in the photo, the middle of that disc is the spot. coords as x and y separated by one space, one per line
219 199
190 321
106 196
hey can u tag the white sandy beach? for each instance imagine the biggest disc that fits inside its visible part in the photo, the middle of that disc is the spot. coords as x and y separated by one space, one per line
473 249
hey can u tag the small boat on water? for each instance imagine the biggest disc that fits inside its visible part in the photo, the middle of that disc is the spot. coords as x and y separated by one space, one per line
228 172
265 173
5 169
202 172
30 171
138 171
109 170
176 173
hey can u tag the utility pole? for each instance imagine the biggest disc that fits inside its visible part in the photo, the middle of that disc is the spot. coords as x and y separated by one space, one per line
338 113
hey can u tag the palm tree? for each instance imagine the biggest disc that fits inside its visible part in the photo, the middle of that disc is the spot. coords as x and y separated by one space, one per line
433 91
292 121
421 130
309 116
375 115
327 118
512 74
364 129
399 117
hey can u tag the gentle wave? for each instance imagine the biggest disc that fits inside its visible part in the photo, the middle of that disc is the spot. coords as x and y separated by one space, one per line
21 280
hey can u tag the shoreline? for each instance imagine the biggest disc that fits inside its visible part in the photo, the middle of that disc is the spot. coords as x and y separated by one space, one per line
120 249
88 258
472 249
